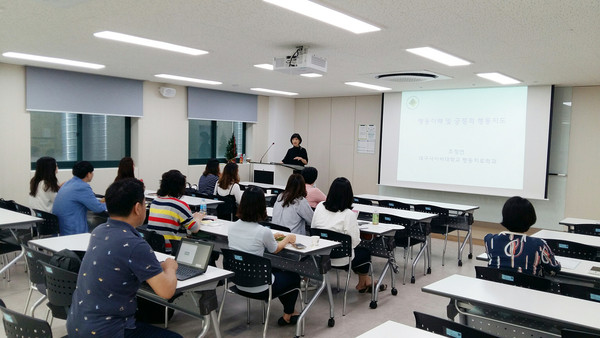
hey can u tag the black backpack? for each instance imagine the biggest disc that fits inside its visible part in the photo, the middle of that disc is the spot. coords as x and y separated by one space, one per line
67 259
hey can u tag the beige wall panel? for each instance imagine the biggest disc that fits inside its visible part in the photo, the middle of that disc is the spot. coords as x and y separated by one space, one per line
366 166
341 160
317 137
584 155
15 138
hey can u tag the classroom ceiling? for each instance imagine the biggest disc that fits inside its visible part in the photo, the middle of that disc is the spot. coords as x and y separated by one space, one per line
539 42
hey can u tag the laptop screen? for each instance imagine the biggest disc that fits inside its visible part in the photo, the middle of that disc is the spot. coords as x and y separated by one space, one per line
194 253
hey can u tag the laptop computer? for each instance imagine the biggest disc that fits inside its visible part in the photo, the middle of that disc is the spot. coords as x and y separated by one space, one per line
192 258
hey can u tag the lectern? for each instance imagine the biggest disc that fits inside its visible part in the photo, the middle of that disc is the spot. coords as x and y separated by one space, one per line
273 173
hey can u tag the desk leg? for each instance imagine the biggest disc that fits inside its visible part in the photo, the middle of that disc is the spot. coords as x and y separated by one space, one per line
12 231
331 322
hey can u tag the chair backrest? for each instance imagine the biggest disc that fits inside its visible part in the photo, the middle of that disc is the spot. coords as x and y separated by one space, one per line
60 286
156 241
360 200
587 229
36 270
228 208
50 225
570 333
573 249
345 250
513 278
580 291
447 328
442 213
250 270
274 226
19 325
394 204
14 206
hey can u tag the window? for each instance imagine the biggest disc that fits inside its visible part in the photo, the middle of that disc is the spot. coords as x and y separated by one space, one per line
208 139
100 139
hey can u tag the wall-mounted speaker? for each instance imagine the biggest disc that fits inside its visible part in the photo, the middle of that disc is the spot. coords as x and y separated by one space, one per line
167 91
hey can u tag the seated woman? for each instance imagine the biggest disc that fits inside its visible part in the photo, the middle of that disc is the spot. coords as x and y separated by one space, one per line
513 249
209 178
249 236
313 194
168 214
336 214
291 208
228 183
126 169
44 186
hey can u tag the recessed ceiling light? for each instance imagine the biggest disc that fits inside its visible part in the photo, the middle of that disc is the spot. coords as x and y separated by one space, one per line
311 75
499 78
273 91
188 79
438 56
148 43
368 86
53 60
266 66
567 103
326 15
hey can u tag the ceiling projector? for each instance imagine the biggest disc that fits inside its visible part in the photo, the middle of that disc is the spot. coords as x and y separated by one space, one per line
301 62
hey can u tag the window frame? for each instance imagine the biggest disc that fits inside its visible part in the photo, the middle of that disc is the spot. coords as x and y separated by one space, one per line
213 145
96 164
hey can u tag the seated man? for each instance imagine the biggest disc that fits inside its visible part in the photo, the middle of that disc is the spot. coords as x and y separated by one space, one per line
74 199
116 262
512 249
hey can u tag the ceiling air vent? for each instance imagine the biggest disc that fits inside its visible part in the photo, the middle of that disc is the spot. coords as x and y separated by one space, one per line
409 77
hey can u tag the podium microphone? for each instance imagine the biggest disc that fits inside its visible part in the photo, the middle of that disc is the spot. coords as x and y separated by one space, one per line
266 152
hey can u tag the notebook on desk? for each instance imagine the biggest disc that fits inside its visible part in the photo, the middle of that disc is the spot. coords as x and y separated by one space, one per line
192 258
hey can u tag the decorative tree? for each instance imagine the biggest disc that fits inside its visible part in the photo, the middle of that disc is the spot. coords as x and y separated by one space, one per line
231 151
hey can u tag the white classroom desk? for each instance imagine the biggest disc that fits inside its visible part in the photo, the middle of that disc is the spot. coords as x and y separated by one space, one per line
12 221
191 288
550 307
572 222
190 200
379 248
289 259
454 209
449 206
413 216
394 329
408 214
265 186
575 267
568 236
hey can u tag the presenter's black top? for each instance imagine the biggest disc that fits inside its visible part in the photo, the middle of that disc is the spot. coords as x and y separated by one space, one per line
295 152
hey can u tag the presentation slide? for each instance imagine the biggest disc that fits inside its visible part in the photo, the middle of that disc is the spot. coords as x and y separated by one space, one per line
491 141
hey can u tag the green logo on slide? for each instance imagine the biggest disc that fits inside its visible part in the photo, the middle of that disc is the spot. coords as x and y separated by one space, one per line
412 102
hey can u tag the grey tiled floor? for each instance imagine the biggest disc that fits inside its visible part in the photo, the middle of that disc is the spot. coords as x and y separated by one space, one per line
358 319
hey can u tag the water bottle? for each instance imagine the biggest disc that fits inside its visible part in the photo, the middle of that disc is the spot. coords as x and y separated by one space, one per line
375 217
203 206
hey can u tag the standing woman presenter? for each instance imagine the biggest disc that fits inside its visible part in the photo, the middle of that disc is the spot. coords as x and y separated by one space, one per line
296 155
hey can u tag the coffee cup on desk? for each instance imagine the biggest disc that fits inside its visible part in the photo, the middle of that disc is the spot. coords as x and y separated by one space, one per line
315 240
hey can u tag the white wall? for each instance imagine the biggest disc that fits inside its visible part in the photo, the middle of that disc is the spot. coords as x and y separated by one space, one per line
280 128
328 126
